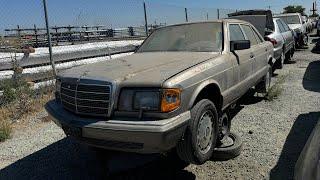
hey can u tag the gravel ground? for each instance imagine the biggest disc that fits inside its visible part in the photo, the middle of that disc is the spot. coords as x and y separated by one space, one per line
278 131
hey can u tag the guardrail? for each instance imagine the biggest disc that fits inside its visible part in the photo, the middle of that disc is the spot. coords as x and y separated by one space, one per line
68 53
31 61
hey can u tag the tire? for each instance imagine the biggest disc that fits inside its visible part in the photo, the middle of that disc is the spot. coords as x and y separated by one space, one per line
204 116
305 40
264 84
227 152
288 56
280 61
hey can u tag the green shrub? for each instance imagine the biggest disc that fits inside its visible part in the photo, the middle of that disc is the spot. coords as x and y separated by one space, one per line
5 132
275 90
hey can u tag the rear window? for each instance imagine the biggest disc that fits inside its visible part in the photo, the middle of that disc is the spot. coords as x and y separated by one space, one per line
281 28
286 27
293 19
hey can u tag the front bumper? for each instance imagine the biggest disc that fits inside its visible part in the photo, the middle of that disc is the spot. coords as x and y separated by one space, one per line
121 135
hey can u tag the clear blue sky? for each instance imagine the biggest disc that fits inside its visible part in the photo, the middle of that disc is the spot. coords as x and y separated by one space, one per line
123 13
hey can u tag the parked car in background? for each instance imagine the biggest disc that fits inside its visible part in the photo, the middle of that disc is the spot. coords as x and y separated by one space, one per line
283 41
296 23
274 30
306 23
171 93
310 25
314 21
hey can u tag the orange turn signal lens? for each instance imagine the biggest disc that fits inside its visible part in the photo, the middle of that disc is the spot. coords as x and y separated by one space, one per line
170 99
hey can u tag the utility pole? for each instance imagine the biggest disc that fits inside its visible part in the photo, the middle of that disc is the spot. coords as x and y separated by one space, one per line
314 8
186 13
145 18
49 37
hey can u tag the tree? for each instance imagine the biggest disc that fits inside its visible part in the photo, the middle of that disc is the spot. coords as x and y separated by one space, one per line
294 9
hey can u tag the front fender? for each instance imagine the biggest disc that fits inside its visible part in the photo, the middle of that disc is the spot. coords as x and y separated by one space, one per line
200 87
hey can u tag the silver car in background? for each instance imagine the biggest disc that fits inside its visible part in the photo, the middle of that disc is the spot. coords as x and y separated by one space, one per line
295 22
274 30
283 42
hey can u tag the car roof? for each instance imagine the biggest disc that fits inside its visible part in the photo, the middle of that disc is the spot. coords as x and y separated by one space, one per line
213 21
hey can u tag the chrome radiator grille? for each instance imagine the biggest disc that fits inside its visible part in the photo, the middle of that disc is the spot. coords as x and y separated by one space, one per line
86 99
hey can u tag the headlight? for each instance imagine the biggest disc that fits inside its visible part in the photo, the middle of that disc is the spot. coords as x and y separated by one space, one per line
161 100
146 100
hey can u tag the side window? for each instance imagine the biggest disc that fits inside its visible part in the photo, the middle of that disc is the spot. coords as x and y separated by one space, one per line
236 32
250 34
285 25
281 28
259 39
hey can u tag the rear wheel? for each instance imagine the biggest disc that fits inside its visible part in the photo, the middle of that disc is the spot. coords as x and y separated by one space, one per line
201 135
281 60
305 40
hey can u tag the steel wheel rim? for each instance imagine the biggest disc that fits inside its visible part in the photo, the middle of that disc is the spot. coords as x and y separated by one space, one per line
205 132
225 127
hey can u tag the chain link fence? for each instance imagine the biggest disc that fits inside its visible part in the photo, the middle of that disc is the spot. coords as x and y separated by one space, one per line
82 32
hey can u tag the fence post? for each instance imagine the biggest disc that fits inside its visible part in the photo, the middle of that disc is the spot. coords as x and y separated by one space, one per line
36 35
57 36
19 32
70 35
145 18
186 13
218 13
49 37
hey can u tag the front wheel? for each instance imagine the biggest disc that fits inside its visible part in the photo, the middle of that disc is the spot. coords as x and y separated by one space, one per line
201 135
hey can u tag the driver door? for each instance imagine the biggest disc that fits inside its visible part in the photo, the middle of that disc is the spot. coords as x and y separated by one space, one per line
243 66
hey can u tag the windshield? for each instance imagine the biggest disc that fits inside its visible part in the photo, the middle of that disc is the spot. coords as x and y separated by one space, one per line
291 19
199 37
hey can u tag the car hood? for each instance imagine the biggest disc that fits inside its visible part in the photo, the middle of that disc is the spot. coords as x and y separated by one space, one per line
143 69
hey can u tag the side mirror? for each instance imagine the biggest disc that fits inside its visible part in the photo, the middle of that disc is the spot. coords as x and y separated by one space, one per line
239 45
